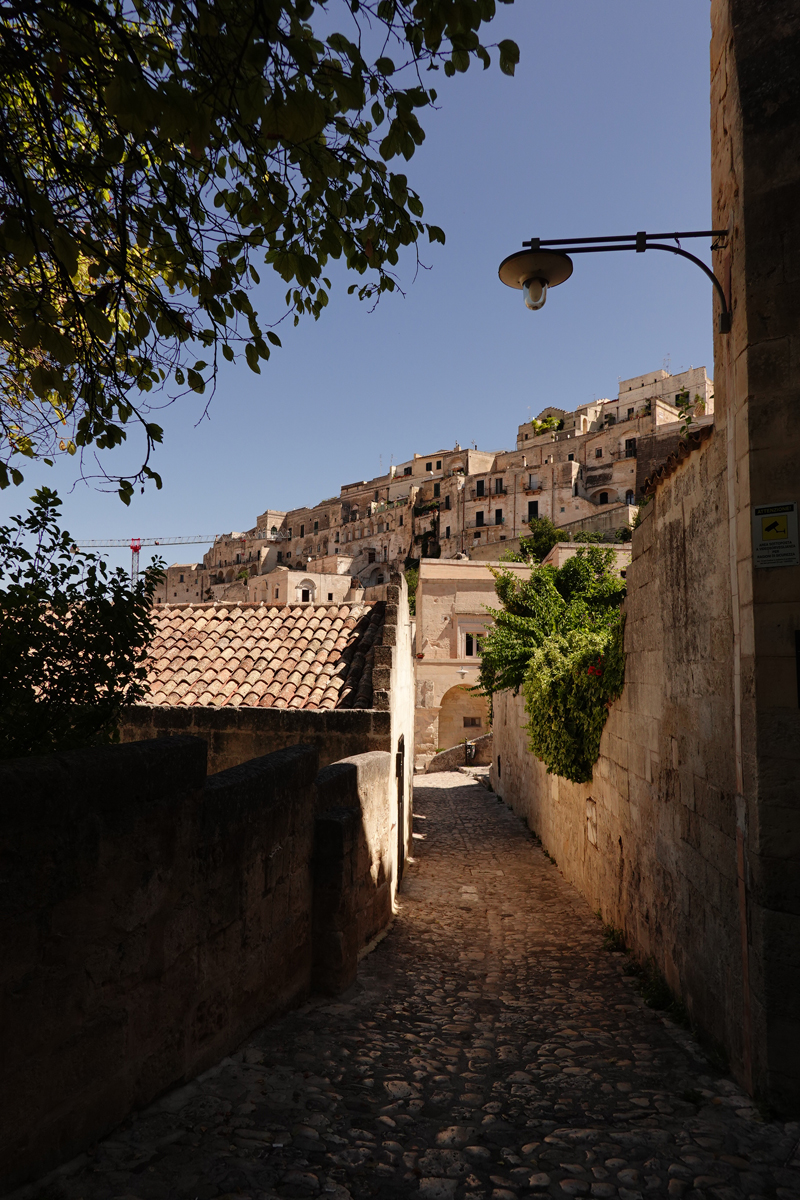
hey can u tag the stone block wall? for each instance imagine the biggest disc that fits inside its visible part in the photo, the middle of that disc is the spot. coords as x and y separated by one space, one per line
151 918
368 881
651 841
235 735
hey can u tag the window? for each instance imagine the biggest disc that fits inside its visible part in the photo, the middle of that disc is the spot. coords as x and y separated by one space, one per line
336 538
370 556
472 645
385 553
598 453
527 435
181 579
447 503
611 419
479 519
238 558
562 510
276 593
629 497
438 464
406 470
479 491
476 534
429 466
330 595
630 413
302 531
498 487
630 447
533 509
498 516
472 722
289 532
274 530
570 458
316 527
280 556
376 493
602 498
447 531
401 520
305 596
437 491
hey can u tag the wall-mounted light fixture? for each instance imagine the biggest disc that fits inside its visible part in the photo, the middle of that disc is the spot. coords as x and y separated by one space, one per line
538 267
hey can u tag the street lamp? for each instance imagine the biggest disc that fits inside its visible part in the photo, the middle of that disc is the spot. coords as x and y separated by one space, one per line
538 267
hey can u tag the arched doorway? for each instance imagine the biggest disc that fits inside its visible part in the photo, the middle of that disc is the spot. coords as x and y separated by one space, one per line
462 715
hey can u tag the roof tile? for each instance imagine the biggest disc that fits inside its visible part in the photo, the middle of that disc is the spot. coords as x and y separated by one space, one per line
250 655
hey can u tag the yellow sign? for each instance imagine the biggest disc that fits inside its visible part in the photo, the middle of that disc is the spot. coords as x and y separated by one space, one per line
775 528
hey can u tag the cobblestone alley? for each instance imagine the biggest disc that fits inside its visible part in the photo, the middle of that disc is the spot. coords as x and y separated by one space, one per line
490 1050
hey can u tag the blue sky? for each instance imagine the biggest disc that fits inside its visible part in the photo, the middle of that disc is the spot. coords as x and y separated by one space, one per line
603 130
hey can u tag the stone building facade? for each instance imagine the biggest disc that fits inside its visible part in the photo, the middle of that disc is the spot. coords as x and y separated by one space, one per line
452 598
588 473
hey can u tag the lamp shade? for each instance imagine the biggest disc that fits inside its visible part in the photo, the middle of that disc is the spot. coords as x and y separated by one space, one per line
550 266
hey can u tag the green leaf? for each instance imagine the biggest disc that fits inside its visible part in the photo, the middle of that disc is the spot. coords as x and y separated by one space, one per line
509 56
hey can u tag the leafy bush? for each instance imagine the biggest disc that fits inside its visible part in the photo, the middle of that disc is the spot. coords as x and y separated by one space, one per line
412 579
568 686
544 535
73 637
558 637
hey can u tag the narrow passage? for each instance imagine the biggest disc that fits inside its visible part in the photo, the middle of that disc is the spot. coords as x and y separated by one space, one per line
491 1050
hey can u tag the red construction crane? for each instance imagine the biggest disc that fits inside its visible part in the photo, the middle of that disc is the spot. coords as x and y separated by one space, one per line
137 543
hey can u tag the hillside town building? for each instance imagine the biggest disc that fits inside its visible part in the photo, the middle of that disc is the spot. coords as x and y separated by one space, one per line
587 472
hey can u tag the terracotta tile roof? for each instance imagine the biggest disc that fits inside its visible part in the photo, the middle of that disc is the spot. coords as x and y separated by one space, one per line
254 655
686 447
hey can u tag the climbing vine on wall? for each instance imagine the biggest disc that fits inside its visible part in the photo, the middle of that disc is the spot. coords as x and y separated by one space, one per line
558 637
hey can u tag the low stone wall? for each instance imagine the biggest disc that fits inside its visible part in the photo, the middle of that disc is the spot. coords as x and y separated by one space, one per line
450 760
651 841
152 918
362 783
235 735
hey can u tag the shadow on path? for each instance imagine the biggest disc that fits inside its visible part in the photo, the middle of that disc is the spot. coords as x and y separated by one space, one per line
490 1049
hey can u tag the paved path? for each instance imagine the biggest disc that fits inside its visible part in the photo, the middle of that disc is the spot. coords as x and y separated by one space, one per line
491 1049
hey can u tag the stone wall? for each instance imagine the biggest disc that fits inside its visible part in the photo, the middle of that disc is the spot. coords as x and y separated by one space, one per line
456 756
688 837
235 735
651 841
151 918
362 784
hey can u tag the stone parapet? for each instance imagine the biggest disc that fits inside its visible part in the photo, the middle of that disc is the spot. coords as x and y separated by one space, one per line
151 918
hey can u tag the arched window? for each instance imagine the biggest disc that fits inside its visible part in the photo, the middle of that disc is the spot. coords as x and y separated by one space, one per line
274 530
602 498
306 592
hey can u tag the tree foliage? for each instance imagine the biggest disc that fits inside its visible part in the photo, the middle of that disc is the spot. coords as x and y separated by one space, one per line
73 637
558 636
544 535
154 154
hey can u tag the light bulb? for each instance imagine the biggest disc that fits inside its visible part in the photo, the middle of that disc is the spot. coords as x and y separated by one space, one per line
534 293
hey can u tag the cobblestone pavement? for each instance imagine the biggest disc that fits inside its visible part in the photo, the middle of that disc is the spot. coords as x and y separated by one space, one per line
490 1050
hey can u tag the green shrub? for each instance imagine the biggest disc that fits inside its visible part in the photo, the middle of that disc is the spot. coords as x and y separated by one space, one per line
559 637
568 687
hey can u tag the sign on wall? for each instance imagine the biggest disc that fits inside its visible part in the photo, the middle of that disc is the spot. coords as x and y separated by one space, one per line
775 539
